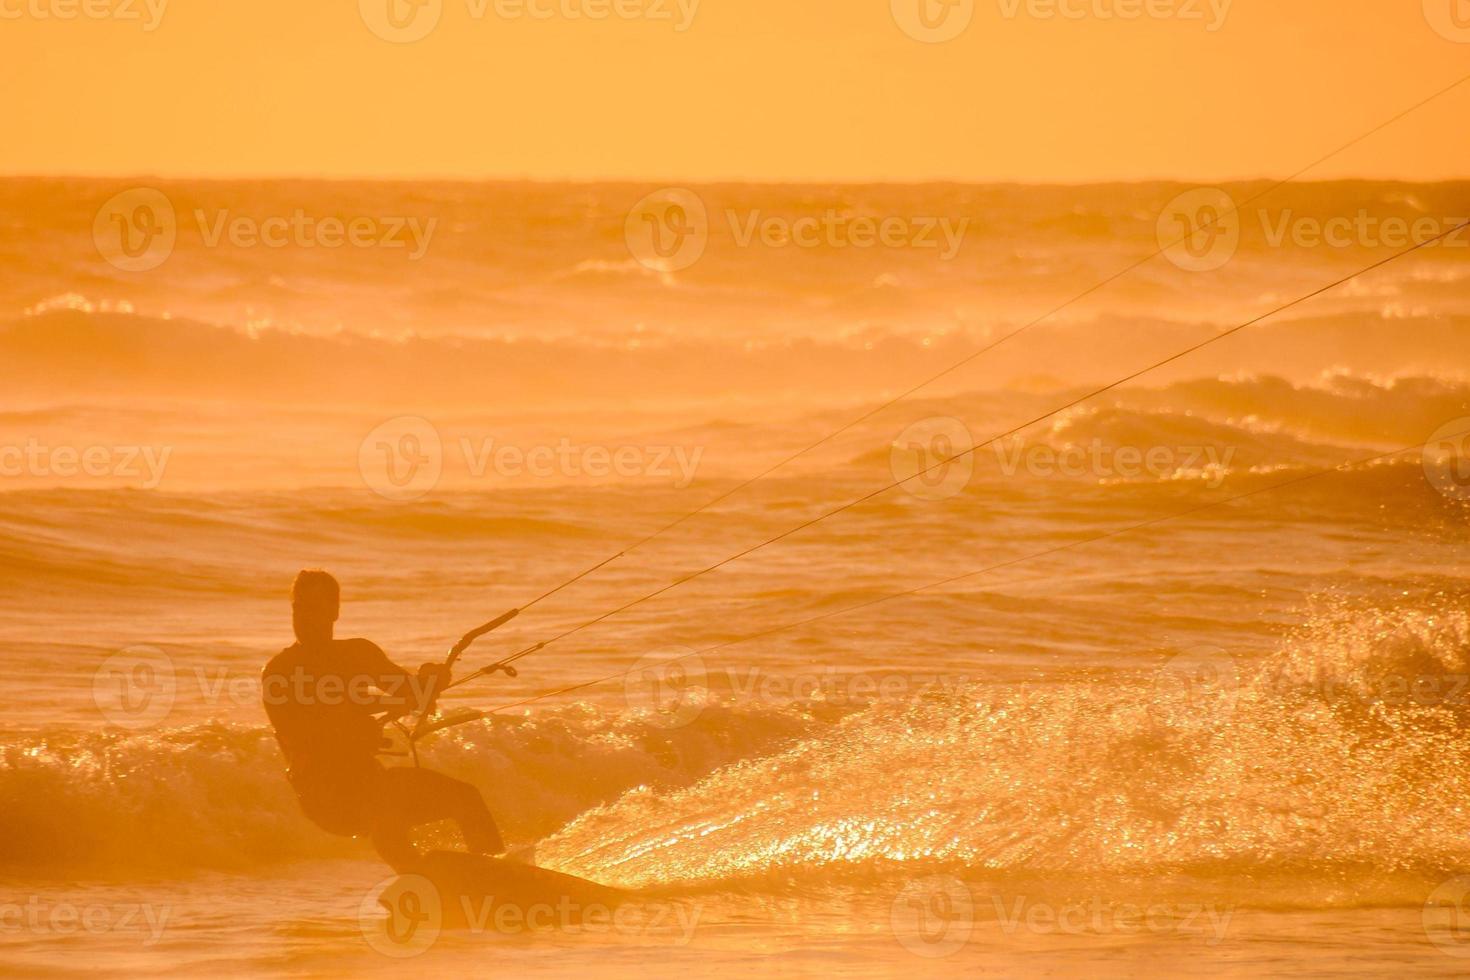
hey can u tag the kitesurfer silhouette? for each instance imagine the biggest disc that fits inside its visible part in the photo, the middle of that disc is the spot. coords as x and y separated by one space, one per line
327 700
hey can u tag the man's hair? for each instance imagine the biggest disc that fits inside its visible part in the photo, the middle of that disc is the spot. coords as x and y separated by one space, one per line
317 591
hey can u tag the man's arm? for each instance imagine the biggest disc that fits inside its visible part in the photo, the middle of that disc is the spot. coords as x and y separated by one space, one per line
404 692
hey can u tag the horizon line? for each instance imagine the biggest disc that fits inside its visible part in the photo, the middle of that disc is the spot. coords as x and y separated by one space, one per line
703 181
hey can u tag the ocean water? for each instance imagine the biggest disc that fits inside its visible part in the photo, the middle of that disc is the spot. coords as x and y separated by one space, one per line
1155 684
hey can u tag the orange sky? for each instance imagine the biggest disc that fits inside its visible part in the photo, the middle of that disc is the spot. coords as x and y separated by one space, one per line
762 89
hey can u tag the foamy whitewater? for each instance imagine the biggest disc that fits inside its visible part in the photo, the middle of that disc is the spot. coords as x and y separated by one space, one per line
1157 711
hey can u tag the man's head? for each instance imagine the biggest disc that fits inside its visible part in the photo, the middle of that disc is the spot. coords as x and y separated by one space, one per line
315 600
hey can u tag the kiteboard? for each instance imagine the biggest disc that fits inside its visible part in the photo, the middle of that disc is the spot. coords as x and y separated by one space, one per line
463 890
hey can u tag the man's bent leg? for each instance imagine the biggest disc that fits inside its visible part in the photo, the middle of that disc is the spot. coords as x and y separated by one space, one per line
408 798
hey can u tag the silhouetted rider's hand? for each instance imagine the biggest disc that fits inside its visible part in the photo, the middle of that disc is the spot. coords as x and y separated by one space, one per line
433 679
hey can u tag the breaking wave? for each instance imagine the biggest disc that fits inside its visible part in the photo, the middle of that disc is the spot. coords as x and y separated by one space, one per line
1336 753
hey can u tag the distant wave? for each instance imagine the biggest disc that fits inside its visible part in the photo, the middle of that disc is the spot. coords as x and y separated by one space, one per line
76 355
614 269
1360 406
49 539
1209 429
82 355
53 539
